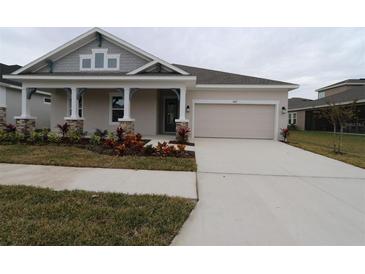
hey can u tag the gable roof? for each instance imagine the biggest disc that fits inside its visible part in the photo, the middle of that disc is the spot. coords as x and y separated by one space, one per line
212 77
348 96
348 82
6 69
83 39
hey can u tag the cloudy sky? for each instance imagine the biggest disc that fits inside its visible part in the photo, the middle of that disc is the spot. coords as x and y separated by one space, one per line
310 57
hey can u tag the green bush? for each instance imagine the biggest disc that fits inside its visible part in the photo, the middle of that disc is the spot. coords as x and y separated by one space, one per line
8 138
74 136
95 140
54 138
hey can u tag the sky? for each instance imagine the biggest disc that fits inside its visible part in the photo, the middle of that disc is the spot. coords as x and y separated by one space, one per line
310 57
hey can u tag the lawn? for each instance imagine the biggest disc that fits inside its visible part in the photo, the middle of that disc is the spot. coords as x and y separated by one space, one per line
80 157
37 216
322 143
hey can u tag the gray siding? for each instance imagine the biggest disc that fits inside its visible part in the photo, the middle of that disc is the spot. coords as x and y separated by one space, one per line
37 108
71 63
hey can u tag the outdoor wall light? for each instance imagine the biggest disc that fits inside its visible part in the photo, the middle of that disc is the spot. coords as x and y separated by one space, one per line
283 110
187 108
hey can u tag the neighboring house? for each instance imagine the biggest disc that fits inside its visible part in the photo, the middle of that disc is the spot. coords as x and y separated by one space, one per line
10 101
306 113
100 81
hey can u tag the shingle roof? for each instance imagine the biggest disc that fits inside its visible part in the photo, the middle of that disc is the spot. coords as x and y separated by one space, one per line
355 93
208 76
297 102
5 69
349 82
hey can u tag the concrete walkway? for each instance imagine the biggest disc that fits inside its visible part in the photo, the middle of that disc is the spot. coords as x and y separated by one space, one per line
171 183
256 192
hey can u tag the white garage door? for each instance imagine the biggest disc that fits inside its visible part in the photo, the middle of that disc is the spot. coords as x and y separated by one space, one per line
234 121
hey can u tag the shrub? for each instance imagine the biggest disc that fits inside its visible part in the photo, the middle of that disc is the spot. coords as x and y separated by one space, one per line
95 140
35 137
101 133
64 129
149 150
133 144
54 138
8 138
10 128
74 136
109 143
285 133
120 149
120 134
183 134
163 149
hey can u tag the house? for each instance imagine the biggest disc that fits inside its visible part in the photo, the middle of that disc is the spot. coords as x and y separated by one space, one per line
305 114
99 81
10 100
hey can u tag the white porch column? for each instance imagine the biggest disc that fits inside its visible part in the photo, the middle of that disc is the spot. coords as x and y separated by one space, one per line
25 113
74 104
127 104
182 104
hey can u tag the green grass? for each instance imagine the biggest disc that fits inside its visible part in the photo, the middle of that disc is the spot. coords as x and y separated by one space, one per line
79 157
322 143
37 216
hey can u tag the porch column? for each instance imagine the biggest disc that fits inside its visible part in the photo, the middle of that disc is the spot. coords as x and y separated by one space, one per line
75 121
182 121
25 123
127 123
2 108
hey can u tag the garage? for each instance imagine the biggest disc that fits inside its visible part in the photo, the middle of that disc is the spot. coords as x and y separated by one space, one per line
234 120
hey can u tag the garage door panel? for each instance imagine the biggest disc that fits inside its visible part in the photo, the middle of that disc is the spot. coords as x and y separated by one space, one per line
234 121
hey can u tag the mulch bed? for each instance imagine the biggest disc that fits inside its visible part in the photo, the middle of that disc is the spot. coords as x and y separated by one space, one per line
179 143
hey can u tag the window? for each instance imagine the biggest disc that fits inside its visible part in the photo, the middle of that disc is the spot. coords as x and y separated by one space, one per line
292 118
321 94
86 63
98 60
46 100
69 106
112 63
117 108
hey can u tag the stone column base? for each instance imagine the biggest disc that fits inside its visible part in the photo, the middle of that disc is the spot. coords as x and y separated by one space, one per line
180 124
2 118
25 125
76 124
127 125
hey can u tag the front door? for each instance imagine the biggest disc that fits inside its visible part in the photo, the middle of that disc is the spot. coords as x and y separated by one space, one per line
171 113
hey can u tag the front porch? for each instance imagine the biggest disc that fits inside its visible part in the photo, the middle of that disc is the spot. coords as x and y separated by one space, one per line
149 111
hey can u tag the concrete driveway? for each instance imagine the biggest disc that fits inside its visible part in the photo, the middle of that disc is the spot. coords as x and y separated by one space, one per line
256 192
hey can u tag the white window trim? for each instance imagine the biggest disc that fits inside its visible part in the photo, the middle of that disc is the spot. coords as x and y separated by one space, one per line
106 57
291 116
111 95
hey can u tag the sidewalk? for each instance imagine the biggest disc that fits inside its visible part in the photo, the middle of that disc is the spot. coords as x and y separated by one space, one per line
171 183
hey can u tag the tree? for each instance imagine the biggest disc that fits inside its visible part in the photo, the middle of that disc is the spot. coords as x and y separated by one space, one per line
339 115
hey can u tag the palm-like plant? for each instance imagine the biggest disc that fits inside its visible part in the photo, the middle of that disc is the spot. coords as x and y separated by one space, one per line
64 129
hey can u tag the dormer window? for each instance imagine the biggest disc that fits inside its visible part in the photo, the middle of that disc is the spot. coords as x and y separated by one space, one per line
99 60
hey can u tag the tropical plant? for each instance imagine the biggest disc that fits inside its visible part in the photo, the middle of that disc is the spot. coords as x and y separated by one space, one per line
101 133
10 128
183 134
120 134
64 129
